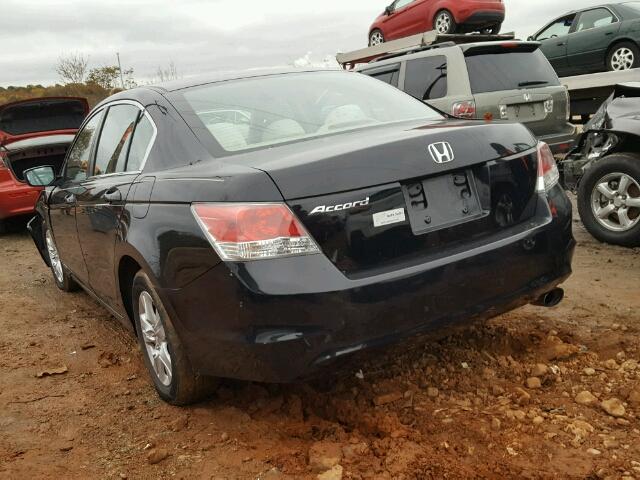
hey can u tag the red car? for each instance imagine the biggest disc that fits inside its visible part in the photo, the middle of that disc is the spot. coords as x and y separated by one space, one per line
408 17
33 133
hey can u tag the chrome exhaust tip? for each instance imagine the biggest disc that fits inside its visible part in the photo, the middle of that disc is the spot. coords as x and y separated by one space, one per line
550 299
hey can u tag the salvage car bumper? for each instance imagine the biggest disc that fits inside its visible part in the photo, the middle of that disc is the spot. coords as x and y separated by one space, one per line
282 319
482 17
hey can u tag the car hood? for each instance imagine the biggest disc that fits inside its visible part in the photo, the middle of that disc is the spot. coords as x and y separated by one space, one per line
41 116
379 155
620 112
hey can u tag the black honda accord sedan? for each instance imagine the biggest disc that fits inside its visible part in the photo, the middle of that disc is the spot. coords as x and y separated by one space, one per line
259 226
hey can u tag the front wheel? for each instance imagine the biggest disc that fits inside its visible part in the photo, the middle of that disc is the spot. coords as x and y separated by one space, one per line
376 37
609 200
444 23
61 275
164 354
623 56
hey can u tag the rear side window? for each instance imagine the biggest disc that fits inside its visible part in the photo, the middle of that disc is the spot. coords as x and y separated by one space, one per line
494 72
388 77
599 17
426 78
142 139
78 159
111 155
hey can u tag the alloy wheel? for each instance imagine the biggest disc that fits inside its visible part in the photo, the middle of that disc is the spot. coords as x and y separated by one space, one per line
622 59
615 202
54 257
155 339
376 39
443 22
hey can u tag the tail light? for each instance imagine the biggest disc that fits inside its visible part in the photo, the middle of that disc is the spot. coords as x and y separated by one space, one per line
466 109
243 232
568 103
548 173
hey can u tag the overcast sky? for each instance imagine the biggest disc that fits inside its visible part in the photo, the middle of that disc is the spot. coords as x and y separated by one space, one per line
201 35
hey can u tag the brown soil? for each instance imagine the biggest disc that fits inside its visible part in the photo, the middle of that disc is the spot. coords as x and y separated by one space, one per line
75 401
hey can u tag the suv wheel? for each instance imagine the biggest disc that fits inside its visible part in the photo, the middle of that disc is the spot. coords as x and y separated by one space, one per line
376 38
444 22
609 200
60 274
623 56
164 354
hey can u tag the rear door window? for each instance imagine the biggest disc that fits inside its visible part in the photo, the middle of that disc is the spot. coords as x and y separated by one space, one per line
111 154
494 72
142 139
80 154
388 74
426 78
598 17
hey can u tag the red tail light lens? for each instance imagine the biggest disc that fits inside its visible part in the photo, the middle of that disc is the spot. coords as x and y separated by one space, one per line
548 173
243 232
466 109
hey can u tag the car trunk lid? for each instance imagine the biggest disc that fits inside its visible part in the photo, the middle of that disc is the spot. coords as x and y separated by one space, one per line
34 117
388 198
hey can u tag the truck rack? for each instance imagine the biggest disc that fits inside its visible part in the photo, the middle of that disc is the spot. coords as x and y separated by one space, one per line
421 41
589 91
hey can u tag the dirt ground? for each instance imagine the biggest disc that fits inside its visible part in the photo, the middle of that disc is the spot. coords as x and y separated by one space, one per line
537 393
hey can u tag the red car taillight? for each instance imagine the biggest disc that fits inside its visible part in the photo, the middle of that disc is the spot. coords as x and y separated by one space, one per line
243 232
548 173
466 109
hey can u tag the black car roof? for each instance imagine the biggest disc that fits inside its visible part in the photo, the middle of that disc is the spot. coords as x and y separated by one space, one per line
205 79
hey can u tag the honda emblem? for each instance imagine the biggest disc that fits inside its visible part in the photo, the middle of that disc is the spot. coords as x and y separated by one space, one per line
527 97
441 152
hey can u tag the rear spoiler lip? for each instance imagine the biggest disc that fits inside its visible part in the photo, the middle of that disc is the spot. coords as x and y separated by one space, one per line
499 47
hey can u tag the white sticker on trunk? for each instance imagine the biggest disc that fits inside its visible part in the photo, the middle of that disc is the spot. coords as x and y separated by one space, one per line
389 217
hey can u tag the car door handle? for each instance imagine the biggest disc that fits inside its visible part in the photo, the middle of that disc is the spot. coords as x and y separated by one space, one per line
112 195
561 44
608 34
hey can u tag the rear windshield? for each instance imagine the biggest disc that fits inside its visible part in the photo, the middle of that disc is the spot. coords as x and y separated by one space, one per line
495 72
42 116
260 112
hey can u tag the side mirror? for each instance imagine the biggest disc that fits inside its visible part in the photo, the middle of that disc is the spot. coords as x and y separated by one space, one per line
388 10
40 176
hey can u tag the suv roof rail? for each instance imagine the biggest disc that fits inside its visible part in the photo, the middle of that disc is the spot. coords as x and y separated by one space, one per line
413 44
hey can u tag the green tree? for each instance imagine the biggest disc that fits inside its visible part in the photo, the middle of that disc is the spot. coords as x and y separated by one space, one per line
108 77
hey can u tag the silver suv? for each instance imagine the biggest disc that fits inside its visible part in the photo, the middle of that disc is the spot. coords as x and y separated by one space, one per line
489 80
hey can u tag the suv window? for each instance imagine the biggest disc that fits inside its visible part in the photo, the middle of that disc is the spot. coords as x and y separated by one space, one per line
79 155
142 138
111 154
495 72
559 28
598 17
426 78
389 74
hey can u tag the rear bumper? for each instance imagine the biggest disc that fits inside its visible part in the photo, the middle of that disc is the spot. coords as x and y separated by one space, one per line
561 143
283 319
488 16
17 199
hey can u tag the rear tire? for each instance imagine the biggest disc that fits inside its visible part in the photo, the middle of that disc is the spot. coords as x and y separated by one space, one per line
164 354
623 56
610 206
61 275
376 37
444 23
3 227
